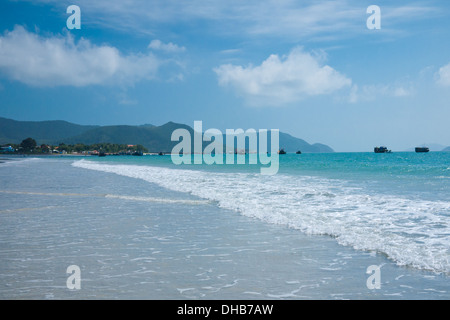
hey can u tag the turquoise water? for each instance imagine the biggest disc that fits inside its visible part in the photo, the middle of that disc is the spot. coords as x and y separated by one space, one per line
408 173
143 228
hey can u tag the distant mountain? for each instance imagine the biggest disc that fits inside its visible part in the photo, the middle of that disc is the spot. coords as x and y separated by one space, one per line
12 131
292 144
446 149
287 142
154 138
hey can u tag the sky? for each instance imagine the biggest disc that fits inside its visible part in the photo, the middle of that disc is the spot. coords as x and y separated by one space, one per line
313 69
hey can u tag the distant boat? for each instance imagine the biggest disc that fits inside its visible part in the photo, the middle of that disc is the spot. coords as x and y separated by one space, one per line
102 154
382 150
422 149
138 153
282 151
299 152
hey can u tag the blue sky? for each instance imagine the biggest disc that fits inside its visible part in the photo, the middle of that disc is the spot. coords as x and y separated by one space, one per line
309 68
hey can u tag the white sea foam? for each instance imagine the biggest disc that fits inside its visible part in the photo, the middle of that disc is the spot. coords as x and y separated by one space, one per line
110 196
411 232
16 161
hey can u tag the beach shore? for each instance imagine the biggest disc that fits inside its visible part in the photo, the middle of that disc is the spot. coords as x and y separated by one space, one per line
135 240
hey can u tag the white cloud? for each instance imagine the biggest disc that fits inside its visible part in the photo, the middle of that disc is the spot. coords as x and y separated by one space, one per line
401 92
230 51
279 81
60 61
444 76
167 47
372 92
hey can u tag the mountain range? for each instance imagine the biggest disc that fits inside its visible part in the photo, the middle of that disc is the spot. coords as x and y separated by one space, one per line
154 138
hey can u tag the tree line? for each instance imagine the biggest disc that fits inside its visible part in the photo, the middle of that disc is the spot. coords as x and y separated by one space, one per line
30 146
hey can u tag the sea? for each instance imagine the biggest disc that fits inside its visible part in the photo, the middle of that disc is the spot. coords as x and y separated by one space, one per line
327 226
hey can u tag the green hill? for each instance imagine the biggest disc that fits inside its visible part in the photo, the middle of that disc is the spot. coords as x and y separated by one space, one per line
154 138
12 131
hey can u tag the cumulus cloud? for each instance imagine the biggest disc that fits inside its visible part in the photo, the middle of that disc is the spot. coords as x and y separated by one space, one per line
281 80
444 76
167 47
60 61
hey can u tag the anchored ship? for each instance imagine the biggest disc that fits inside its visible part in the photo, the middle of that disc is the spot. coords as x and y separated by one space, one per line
382 150
422 149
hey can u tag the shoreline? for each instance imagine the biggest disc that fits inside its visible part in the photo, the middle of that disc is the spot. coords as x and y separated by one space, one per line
129 246
39 155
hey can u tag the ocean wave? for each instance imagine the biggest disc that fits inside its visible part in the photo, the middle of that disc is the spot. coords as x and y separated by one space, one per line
14 161
411 232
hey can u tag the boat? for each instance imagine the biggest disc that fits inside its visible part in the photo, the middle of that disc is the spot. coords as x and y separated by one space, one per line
299 152
138 153
382 150
102 154
282 151
422 149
